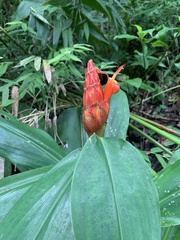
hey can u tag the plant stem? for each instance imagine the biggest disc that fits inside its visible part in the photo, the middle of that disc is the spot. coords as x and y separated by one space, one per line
151 139
159 126
13 40
155 129
167 90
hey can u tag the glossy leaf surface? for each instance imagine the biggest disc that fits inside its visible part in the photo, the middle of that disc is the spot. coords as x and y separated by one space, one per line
26 146
12 188
168 185
113 194
42 212
171 233
70 129
118 119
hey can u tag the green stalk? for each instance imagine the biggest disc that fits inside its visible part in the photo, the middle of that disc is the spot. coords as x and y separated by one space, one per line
151 139
158 125
167 90
155 129
13 40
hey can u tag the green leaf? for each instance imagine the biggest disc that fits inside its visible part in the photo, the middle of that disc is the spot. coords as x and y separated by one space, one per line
23 10
42 212
113 194
3 67
177 65
12 188
97 35
5 94
146 87
56 32
7 102
161 34
159 43
139 28
168 185
74 70
39 16
175 156
128 37
99 6
171 233
62 3
86 31
70 129
26 146
74 58
118 119
67 38
25 61
42 31
135 82
140 32
156 150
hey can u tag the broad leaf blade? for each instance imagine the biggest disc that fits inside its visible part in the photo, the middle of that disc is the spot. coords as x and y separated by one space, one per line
26 146
168 185
171 233
70 129
118 119
43 212
113 194
12 188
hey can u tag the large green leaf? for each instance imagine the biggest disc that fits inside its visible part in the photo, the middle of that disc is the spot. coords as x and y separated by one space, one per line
175 157
12 188
168 185
171 233
118 119
26 146
113 193
42 212
25 6
70 129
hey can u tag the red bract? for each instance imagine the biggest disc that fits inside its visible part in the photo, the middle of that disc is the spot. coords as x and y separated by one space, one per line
96 101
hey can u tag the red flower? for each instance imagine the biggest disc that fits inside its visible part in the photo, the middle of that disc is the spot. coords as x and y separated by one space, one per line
96 101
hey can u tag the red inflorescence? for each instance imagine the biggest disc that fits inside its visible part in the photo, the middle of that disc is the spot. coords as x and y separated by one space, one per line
96 101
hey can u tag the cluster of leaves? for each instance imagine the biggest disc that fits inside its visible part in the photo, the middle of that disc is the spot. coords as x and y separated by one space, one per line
153 57
149 14
44 48
46 31
65 192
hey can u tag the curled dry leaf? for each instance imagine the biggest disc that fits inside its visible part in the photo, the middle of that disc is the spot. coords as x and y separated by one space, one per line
47 71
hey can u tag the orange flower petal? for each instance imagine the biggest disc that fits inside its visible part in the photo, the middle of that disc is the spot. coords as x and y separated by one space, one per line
112 86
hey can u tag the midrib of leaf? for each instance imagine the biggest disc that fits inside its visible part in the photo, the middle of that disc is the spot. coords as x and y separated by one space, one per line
113 188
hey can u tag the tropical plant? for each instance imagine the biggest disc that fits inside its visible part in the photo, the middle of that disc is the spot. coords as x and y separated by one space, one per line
151 13
40 55
154 60
80 21
87 188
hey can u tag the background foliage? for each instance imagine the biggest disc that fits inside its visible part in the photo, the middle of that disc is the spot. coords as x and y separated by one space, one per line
44 49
